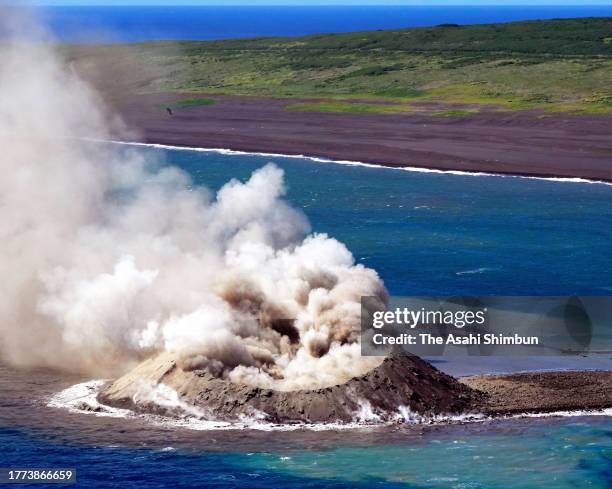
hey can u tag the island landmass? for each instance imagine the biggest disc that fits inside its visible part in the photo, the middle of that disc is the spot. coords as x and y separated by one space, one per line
525 98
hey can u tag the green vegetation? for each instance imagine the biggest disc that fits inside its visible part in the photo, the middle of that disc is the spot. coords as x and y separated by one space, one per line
186 103
360 108
454 113
556 65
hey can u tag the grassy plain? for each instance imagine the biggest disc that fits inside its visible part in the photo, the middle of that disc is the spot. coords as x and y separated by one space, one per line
553 65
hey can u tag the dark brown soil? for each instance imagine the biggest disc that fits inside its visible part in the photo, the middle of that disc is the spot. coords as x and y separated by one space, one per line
526 143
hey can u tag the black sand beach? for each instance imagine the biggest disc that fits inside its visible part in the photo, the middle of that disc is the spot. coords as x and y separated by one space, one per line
523 143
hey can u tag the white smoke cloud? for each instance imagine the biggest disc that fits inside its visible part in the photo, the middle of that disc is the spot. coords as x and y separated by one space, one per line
107 258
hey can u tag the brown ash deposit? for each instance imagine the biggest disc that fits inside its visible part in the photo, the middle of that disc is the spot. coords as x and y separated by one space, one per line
398 386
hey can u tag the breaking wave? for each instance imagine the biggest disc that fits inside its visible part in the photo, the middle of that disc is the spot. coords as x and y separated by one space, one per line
81 398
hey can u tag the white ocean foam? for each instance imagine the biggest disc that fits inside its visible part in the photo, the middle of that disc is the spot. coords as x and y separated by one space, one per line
565 414
407 415
477 271
166 397
357 163
81 398
365 413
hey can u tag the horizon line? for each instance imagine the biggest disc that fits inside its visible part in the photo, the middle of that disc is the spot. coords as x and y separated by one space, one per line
434 3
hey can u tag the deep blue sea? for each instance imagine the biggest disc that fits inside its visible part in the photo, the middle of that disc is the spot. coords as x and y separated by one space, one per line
444 234
123 24
426 234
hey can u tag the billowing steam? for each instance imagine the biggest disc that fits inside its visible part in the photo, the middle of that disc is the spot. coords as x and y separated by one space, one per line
107 259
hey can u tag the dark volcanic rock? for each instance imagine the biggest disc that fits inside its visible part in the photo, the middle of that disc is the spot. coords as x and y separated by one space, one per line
543 391
399 383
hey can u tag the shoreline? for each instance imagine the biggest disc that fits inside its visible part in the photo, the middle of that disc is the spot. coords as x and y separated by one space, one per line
81 398
319 159
400 388
542 392
489 142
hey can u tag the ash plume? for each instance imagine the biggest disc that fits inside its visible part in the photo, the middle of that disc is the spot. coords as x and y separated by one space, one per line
108 258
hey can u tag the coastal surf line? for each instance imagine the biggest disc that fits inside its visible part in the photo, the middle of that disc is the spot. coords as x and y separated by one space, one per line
82 399
355 163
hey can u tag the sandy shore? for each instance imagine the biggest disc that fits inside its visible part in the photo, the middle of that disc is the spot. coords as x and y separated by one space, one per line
524 143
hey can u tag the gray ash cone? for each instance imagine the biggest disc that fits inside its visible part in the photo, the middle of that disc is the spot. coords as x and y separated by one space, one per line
397 385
